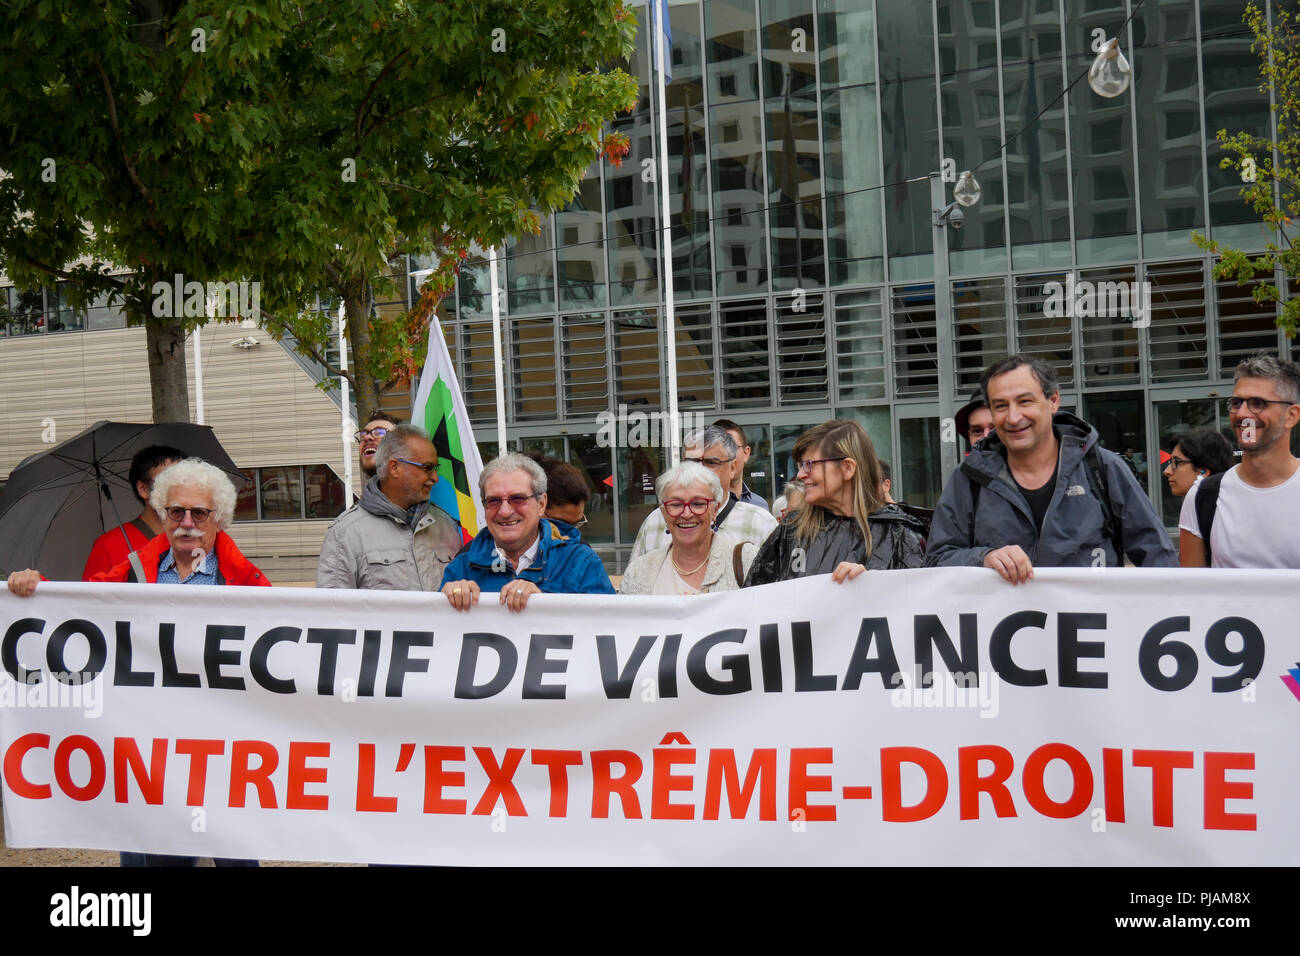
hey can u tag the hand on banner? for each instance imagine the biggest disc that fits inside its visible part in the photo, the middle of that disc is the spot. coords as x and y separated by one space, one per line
515 594
463 595
1011 562
23 583
846 571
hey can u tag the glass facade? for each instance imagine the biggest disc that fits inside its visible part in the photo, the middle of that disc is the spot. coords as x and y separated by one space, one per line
803 258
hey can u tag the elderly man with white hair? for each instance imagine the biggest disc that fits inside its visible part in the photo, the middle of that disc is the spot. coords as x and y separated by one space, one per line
520 553
195 501
699 560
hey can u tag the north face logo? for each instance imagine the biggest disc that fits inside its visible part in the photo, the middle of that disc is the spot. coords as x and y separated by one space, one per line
1075 490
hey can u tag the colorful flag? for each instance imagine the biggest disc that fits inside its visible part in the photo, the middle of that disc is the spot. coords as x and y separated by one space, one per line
440 410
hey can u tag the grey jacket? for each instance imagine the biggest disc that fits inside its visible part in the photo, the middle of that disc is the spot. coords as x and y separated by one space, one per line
1072 527
373 547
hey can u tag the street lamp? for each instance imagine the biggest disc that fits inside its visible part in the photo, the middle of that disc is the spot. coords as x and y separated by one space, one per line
1110 74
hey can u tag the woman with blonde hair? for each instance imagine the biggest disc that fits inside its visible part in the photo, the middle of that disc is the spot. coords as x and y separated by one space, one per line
699 560
831 531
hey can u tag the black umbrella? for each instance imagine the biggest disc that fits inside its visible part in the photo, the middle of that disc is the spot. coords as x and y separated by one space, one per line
57 502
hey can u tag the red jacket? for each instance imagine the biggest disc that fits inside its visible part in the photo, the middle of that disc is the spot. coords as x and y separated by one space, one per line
111 548
232 566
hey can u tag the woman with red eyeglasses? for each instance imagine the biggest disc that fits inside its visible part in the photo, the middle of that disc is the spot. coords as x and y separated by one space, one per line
699 560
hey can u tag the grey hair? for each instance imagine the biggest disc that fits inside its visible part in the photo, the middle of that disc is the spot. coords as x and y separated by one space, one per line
513 461
1283 373
713 435
393 444
196 473
687 473
694 439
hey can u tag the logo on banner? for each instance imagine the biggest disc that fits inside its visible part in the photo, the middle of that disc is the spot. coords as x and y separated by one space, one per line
1292 680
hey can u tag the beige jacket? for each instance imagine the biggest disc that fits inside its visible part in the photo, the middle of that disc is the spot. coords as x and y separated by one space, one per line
719 575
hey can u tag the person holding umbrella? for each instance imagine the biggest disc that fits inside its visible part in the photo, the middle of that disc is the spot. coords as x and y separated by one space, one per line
112 547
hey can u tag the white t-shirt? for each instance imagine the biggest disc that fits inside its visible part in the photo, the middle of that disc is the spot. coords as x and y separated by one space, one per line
1253 527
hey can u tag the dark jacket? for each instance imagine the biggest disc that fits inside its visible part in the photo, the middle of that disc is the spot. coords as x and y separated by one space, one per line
1072 527
564 565
232 566
896 542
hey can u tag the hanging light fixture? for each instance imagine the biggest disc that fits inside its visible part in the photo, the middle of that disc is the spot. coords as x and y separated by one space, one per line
967 191
1110 74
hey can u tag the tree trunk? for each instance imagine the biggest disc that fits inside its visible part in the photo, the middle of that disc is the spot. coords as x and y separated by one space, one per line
356 310
168 377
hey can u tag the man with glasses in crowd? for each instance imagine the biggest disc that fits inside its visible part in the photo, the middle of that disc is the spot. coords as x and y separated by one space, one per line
368 438
520 553
393 539
717 451
743 452
1250 513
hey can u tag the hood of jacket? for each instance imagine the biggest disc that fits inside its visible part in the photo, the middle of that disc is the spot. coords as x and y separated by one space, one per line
988 460
893 513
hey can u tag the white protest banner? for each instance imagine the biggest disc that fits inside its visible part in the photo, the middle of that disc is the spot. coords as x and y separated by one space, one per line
1101 716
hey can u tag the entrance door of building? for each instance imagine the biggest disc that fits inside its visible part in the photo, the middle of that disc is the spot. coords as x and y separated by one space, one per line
1174 414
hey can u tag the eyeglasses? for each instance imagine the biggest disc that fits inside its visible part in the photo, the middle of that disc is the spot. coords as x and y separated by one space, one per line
1175 462
698 506
1254 403
710 462
495 502
361 436
801 466
427 467
580 522
200 515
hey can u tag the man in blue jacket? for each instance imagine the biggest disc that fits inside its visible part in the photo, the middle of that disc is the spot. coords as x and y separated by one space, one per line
520 553
1040 491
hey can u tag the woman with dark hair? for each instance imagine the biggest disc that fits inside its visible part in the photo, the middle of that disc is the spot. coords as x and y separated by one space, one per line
1195 455
830 532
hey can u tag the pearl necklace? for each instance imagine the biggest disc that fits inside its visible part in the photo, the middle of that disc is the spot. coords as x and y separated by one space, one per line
683 571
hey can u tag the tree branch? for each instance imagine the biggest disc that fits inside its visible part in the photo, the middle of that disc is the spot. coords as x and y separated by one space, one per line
365 100
117 135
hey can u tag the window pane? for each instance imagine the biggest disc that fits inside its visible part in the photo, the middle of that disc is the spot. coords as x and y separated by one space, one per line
324 492
1168 101
971 118
1101 148
281 493
246 498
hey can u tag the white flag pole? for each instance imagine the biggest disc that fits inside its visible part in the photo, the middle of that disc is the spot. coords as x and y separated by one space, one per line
498 357
666 239
345 423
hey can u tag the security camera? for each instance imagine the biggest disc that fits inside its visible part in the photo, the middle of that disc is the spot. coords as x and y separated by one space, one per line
950 215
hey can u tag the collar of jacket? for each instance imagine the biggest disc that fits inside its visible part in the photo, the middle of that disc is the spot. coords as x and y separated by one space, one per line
988 460
229 557
482 550
377 503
